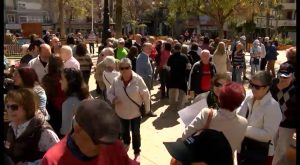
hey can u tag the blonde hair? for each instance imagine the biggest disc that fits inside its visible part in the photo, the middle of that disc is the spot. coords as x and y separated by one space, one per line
219 50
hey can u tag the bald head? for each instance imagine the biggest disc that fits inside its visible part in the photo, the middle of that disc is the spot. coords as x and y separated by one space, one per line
45 51
204 56
66 52
147 48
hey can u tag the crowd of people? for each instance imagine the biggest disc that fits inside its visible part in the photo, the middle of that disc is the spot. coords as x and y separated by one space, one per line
51 118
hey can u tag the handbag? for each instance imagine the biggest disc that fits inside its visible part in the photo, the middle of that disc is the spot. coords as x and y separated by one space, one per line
253 152
142 108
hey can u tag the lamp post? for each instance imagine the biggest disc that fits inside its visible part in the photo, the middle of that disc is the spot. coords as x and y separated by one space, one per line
92 15
157 4
105 23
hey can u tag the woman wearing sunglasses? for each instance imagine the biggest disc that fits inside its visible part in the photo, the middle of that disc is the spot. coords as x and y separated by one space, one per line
264 116
211 96
127 93
29 135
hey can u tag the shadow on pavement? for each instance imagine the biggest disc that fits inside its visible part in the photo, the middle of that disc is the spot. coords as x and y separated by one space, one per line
166 119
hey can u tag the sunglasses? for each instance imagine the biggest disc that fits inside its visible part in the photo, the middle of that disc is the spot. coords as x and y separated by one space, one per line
13 107
125 68
256 87
217 84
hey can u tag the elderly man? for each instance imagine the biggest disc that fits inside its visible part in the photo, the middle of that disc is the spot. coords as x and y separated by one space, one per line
120 51
138 42
66 54
55 45
40 63
92 140
100 68
201 75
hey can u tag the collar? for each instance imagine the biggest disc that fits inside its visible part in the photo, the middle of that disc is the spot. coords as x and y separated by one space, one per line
228 114
145 54
264 100
13 124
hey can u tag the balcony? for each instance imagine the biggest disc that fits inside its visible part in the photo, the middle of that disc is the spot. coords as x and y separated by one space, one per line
283 23
289 6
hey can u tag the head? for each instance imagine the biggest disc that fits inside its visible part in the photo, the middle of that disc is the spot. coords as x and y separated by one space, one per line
21 105
106 52
72 83
267 39
152 40
220 50
55 65
25 77
239 47
286 73
110 63
291 55
121 43
256 43
219 81
217 40
260 84
167 46
24 49
133 52
55 42
194 46
138 38
231 96
147 48
184 49
125 68
243 38
205 40
204 56
81 49
66 52
169 40
45 51
95 123
70 40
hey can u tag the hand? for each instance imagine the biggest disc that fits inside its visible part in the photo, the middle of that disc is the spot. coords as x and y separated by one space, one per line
116 100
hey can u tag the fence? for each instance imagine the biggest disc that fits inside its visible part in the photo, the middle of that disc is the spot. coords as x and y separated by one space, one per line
12 50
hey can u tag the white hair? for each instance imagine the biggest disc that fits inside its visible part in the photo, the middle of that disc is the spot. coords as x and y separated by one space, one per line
24 49
109 61
68 49
109 50
204 51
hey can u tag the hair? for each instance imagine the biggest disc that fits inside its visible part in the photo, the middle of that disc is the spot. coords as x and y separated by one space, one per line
184 49
81 49
264 77
291 53
28 76
167 46
194 46
26 98
71 40
55 65
76 84
231 96
219 50
32 37
221 76
125 61
109 61
68 49
133 52
177 47
205 40
109 49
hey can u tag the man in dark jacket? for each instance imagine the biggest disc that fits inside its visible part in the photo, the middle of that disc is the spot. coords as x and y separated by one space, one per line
201 75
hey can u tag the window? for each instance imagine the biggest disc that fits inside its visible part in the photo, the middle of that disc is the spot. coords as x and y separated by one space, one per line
11 18
21 6
22 19
35 19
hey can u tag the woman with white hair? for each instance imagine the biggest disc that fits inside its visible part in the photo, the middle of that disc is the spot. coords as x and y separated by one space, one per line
220 58
109 73
255 54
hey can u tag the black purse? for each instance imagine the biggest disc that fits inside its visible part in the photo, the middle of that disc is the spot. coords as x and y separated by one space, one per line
253 152
141 107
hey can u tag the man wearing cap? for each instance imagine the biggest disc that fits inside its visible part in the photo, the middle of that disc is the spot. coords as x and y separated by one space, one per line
283 90
93 139
120 51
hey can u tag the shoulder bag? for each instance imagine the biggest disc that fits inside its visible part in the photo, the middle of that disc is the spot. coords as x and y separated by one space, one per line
141 107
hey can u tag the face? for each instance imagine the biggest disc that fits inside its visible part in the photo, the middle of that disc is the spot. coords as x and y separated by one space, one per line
147 49
125 70
218 85
259 89
286 80
55 42
17 78
63 83
15 112
45 51
205 57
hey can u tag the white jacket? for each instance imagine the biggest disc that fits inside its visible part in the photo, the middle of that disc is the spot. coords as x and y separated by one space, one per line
264 117
137 91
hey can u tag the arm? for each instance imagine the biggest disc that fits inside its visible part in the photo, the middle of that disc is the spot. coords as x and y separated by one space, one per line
271 119
47 140
68 109
144 92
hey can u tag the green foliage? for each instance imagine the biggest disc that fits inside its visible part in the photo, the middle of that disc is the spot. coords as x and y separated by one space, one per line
286 41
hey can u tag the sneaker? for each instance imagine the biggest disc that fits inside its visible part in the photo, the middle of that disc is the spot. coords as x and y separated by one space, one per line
137 158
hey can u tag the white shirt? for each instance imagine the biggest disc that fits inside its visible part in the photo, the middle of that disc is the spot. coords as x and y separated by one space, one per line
72 63
39 68
264 118
108 78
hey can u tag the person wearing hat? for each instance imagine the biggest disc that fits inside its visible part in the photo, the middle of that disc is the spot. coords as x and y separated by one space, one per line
121 51
283 90
93 139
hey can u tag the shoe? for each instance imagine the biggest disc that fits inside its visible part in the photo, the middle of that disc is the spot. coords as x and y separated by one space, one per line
137 158
151 114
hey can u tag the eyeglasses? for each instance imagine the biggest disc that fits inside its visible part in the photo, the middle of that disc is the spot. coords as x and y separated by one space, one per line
217 84
13 107
125 68
256 87
284 77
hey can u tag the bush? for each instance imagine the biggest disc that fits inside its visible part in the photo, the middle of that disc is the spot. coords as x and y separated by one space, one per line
286 41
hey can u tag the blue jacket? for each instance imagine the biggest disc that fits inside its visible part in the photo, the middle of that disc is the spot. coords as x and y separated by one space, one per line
143 66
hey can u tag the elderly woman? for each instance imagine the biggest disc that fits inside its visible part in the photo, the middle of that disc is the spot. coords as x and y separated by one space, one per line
29 135
220 58
264 116
224 118
109 73
127 93
255 54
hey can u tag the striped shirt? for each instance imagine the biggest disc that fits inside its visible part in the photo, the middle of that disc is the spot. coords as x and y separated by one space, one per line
85 62
238 59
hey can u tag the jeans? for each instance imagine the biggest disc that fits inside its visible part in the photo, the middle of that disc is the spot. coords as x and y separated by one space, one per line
134 124
237 75
176 98
254 68
92 48
86 76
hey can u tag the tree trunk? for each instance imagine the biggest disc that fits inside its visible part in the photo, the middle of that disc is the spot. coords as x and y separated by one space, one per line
119 18
61 18
221 30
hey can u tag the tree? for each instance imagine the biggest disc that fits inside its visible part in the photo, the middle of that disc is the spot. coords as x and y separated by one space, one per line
219 10
119 18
